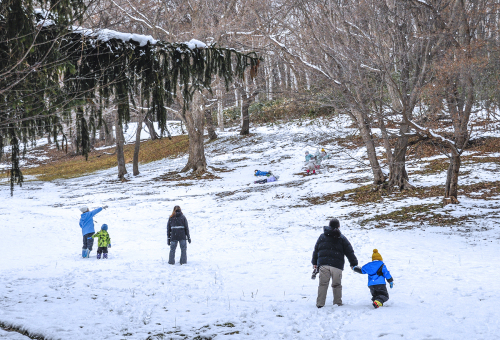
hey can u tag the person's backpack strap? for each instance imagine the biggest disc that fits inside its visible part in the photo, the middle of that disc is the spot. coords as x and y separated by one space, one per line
379 271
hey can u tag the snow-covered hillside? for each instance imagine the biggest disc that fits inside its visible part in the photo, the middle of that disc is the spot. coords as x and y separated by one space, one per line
248 274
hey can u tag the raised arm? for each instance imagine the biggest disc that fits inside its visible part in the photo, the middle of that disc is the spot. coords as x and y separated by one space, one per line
95 212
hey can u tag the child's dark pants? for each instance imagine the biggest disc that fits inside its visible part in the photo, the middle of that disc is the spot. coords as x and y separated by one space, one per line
101 250
88 241
379 293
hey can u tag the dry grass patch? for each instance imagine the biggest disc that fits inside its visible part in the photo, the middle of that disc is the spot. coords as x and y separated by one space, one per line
432 167
484 144
350 142
422 214
76 166
173 176
220 169
371 194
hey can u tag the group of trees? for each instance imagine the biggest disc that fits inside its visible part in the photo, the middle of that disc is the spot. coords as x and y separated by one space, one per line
410 68
413 69
55 71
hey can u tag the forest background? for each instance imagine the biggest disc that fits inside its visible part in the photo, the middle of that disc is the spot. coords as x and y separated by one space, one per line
409 74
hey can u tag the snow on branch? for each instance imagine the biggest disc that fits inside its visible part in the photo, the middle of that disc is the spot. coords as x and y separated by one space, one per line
430 134
105 35
370 68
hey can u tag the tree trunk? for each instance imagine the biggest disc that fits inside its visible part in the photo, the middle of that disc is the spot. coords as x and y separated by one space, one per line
247 99
194 125
110 139
398 177
151 128
120 141
366 135
137 147
385 136
210 125
102 133
451 188
220 112
245 117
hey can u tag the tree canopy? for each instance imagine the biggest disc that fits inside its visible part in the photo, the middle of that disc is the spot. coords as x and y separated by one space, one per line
53 70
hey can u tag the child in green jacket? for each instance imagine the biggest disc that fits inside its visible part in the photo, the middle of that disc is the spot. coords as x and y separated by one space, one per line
104 242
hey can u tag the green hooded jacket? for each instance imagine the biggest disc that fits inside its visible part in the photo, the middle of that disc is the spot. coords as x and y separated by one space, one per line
104 239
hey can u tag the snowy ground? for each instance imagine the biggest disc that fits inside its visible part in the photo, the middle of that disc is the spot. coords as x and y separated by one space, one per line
248 271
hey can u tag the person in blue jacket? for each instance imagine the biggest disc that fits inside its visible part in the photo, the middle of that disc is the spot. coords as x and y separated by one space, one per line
308 156
87 225
262 173
377 274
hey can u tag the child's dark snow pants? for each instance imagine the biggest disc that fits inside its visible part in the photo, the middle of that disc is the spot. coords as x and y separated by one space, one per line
379 293
101 250
88 241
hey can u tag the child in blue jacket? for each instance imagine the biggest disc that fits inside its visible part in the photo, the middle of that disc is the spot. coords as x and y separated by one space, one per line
377 274
262 173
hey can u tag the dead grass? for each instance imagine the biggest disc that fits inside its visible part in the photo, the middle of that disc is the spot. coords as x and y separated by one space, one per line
432 167
370 194
350 142
67 166
220 169
421 214
175 176
484 144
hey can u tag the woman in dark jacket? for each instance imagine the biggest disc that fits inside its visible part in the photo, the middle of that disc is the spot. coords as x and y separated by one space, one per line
177 232
328 255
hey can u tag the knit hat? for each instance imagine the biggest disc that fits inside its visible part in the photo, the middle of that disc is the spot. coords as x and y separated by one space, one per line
307 152
376 256
322 150
104 227
334 223
84 209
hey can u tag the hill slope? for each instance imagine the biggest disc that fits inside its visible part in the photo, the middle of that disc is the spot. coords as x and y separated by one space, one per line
248 271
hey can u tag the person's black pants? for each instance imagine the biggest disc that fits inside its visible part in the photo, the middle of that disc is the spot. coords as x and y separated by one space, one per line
379 293
88 241
101 250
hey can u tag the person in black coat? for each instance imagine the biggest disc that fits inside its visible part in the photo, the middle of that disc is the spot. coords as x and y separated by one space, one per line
328 256
177 232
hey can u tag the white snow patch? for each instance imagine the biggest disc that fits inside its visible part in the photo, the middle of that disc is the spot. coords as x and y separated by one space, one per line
249 260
